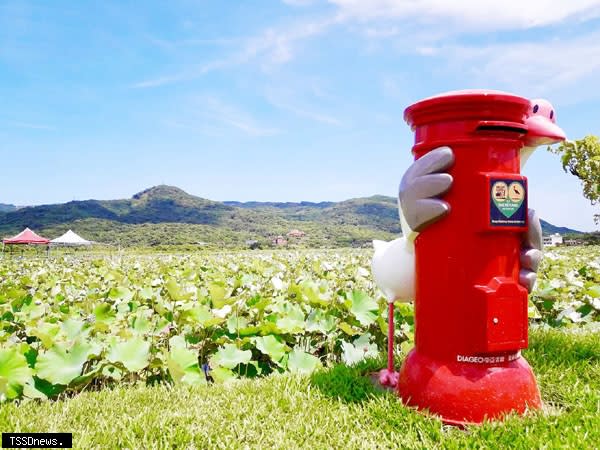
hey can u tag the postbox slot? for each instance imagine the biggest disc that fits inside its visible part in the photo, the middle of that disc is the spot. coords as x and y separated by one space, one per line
500 126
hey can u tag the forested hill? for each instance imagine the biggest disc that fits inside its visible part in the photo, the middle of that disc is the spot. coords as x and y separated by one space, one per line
7 208
170 216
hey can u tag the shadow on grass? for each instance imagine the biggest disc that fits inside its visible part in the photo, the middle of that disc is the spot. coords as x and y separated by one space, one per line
350 384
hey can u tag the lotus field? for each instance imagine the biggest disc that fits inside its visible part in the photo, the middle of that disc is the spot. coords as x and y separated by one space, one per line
70 324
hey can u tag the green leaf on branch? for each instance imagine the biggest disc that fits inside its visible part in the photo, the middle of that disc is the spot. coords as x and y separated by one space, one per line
582 159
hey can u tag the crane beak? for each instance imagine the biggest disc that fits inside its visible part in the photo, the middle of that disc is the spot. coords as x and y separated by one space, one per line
542 131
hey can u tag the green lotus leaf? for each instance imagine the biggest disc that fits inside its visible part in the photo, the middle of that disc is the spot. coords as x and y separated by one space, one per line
72 328
46 332
14 373
594 291
32 311
16 294
31 391
229 356
291 319
319 320
364 308
62 364
348 329
222 375
356 352
267 327
176 291
88 376
44 387
302 362
146 293
183 366
142 322
200 315
104 313
312 292
120 294
236 323
218 295
271 346
132 354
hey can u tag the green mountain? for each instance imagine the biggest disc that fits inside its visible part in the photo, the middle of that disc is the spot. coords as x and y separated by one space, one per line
548 228
7 208
378 212
166 215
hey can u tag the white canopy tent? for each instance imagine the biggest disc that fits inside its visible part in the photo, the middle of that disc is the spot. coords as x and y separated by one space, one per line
70 238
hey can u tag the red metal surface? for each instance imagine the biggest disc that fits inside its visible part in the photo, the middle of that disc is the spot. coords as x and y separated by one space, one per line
465 393
470 310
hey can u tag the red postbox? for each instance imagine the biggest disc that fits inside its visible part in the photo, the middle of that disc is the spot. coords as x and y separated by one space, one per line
471 316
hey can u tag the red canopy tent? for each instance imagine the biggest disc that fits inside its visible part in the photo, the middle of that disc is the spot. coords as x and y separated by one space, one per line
26 237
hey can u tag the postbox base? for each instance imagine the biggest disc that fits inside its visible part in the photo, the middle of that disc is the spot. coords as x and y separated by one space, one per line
463 393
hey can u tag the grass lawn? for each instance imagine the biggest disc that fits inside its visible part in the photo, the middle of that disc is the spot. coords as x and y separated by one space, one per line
331 409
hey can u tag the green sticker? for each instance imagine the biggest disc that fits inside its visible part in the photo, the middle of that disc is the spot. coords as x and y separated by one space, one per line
508 198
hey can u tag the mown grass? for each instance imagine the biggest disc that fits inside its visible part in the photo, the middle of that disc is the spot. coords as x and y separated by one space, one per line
338 408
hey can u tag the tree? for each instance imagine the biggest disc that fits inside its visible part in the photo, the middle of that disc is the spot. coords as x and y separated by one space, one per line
582 159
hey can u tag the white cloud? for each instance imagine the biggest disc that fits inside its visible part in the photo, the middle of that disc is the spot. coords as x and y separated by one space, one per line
272 47
312 115
276 45
301 101
214 117
189 73
479 15
538 68
218 111
382 32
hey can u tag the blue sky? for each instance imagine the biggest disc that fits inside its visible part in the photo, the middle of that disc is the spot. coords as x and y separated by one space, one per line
273 100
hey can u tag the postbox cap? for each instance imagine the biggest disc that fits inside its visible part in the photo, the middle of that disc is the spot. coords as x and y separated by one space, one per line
469 104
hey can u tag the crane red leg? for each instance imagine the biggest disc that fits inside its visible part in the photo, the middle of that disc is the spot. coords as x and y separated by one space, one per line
388 376
391 338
